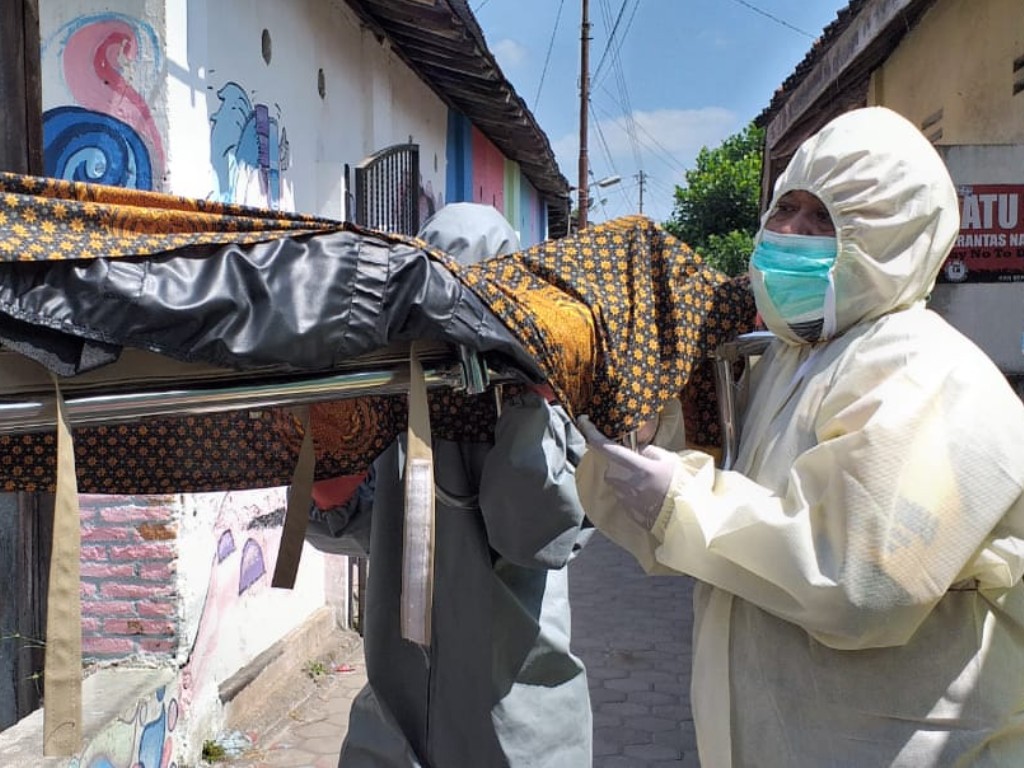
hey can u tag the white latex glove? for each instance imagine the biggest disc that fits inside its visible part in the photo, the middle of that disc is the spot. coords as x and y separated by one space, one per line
640 479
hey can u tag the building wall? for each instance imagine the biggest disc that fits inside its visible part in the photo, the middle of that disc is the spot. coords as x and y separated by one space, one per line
958 65
954 76
267 104
245 101
129 577
478 172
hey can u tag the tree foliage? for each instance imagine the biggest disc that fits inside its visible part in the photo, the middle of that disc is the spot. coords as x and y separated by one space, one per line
717 212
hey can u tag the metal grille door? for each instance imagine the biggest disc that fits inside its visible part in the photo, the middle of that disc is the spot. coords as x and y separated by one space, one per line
387 190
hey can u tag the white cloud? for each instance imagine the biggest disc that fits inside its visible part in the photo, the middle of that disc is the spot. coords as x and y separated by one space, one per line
509 54
667 141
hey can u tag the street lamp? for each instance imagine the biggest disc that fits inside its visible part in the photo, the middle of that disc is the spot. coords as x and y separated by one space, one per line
607 181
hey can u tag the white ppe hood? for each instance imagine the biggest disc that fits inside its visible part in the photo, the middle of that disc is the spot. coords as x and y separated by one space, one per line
893 205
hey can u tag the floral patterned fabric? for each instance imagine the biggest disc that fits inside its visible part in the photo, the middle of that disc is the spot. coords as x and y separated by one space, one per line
620 317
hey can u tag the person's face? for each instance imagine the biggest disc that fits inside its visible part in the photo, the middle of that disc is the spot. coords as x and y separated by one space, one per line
801 213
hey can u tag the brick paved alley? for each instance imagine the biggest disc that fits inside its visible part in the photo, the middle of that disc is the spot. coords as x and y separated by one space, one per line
633 632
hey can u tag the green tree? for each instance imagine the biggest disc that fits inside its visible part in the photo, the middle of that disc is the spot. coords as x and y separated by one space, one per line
717 212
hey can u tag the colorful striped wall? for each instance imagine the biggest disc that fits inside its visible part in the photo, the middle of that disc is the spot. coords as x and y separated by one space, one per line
479 172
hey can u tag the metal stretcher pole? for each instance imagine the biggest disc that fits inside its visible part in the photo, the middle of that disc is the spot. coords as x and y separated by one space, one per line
743 346
38 412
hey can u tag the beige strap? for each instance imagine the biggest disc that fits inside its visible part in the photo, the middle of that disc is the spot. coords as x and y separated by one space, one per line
418 541
62 680
296 517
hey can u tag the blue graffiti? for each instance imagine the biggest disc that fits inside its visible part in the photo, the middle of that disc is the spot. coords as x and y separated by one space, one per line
82 145
151 743
245 139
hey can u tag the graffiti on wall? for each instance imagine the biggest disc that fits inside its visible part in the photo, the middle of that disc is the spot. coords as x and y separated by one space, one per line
140 738
110 64
429 201
249 151
244 531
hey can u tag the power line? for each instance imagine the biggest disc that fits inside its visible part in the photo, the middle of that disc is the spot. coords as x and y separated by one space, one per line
776 19
547 58
477 9
611 38
620 82
654 145
622 37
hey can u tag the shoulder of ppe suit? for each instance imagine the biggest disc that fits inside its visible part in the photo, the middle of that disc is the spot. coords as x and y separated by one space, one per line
916 342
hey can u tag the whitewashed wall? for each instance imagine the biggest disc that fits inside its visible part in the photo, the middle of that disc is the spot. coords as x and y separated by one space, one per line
197 110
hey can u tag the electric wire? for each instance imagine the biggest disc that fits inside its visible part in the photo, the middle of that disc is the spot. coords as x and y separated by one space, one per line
622 37
654 146
776 19
547 58
620 82
611 38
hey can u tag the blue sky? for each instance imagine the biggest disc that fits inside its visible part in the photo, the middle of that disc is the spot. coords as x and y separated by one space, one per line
690 72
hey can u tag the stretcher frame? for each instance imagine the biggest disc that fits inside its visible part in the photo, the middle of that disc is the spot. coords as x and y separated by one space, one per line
743 348
142 385
108 396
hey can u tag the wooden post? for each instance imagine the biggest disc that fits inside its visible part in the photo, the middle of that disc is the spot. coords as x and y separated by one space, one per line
21 122
26 521
581 190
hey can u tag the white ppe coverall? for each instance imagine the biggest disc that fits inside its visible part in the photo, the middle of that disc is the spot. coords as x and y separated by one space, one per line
859 597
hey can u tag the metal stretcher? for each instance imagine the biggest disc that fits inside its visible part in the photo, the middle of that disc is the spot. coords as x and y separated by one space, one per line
743 349
143 384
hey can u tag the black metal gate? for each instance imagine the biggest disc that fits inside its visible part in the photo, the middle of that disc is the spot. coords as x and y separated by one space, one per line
388 190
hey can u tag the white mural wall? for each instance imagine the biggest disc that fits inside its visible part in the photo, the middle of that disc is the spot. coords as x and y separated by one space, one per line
258 102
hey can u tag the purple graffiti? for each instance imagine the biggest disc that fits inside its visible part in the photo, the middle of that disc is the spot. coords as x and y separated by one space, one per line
252 567
225 546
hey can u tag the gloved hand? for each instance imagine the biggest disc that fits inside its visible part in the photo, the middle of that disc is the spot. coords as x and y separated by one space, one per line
640 479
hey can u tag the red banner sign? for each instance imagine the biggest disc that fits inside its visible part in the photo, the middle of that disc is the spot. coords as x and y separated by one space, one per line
990 246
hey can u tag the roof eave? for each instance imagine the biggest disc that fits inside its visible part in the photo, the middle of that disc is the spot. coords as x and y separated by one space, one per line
442 43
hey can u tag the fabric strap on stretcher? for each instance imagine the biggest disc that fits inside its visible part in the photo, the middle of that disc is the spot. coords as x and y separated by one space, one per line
62 683
62 714
62 717
418 532
296 518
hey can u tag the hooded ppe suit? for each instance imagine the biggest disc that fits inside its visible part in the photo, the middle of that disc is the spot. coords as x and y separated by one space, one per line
498 685
859 599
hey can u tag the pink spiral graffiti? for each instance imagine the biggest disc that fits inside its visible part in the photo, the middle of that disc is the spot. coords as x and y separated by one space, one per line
93 61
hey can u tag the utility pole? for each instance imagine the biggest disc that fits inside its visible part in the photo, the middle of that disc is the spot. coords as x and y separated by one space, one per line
581 190
641 176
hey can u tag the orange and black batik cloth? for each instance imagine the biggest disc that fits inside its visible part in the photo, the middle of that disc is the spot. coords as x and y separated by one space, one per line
619 318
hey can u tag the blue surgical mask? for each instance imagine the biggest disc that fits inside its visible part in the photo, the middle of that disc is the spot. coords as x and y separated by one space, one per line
797 281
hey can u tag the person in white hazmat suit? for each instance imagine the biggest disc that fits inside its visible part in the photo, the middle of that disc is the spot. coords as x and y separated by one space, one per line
498 684
859 597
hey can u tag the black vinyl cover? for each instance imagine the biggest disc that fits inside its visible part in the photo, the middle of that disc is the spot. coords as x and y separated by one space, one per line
303 303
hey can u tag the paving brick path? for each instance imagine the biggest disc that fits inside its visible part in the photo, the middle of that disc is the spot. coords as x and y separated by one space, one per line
633 633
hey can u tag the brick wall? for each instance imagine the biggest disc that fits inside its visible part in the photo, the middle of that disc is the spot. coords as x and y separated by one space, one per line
129 593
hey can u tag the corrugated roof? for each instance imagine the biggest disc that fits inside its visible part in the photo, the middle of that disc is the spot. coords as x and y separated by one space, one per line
442 42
